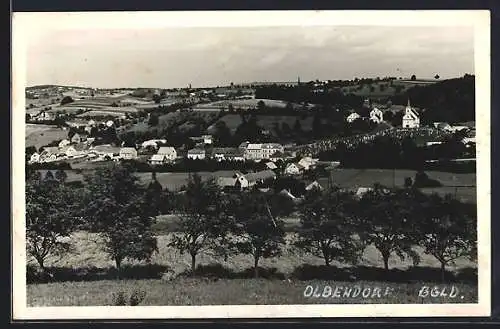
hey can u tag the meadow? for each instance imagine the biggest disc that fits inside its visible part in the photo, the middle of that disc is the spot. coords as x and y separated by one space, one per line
40 135
86 277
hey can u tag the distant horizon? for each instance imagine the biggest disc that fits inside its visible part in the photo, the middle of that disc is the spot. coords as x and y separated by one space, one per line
242 83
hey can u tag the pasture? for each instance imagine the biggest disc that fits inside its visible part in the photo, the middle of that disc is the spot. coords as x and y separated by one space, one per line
88 259
244 103
463 186
102 113
41 135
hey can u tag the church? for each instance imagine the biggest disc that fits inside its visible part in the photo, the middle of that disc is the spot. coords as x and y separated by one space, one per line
411 118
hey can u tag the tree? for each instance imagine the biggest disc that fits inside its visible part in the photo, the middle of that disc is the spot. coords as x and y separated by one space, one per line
66 100
202 220
317 126
329 225
408 182
388 217
153 120
61 175
413 77
27 117
258 232
261 105
447 230
436 77
297 127
117 209
50 217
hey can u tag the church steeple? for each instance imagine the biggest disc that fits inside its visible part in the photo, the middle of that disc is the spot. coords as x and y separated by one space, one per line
408 103
298 80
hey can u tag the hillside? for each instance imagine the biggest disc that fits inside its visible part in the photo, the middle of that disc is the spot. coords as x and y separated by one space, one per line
450 100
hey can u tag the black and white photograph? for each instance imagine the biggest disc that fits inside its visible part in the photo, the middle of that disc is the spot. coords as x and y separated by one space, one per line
251 164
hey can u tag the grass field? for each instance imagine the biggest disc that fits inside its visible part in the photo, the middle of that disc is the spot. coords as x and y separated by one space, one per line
287 277
266 121
102 113
462 185
40 135
189 291
174 181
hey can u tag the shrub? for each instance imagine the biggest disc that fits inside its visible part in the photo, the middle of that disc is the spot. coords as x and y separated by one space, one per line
119 298
137 297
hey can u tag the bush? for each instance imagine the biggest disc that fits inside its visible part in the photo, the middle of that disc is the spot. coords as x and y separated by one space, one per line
119 299
136 297
422 180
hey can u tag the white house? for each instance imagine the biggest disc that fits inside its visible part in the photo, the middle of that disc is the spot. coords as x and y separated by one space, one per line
207 139
271 165
307 163
153 142
196 154
109 123
353 117
262 150
293 169
158 159
35 157
78 138
249 180
105 151
168 152
376 115
64 143
411 118
314 185
128 153
69 151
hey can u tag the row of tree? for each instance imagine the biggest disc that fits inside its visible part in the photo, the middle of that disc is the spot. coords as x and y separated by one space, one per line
335 224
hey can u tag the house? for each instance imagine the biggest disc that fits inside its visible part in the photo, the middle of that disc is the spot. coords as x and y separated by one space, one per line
262 150
207 139
307 163
353 117
411 118
78 138
128 153
243 146
153 143
158 159
362 191
271 165
35 157
49 154
91 123
251 179
64 143
376 115
168 152
68 151
293 169
227 154
196 154
109 123
105 151
314 185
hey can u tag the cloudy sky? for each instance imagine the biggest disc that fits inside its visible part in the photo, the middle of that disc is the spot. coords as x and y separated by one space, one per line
174 57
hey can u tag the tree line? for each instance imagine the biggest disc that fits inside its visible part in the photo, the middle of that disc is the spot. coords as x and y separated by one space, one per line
335 224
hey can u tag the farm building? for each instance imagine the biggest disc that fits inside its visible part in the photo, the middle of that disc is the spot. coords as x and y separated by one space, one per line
128 153
64 143
78 138
249 180
262 151
294 169
153 142
307 163
227 154
314 185
168 152
105 150
376 115
196 154
353 117
271 165
158 159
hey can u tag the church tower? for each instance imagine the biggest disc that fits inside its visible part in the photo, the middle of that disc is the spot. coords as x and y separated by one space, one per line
298 80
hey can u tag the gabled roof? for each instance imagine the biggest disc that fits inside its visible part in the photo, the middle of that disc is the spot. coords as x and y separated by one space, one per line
196 151
260 175
128 149
166 149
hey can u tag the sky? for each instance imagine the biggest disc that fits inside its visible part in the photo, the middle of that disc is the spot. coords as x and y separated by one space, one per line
171 57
